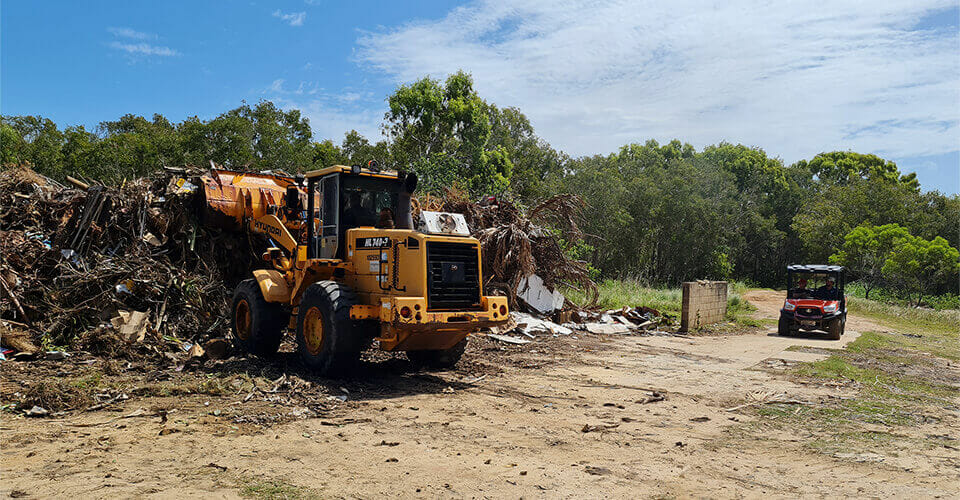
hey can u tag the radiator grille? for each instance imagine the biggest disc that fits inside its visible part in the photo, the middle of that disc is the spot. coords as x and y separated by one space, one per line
459 287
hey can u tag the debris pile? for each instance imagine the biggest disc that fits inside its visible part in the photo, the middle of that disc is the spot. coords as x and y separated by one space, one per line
131 271
524 253
117 271
525 328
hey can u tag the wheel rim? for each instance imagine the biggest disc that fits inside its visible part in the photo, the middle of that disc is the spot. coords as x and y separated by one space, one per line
313 330
242 320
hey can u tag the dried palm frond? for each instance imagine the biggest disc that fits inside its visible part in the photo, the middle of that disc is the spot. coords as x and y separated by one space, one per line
518 243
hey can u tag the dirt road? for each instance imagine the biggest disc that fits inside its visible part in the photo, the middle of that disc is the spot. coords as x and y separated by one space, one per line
567 417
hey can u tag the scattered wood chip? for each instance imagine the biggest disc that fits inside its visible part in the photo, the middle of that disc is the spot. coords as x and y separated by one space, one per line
598 428
344 421
597 471
652 398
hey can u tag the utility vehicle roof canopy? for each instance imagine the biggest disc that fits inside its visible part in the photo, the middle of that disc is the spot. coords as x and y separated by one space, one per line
814 268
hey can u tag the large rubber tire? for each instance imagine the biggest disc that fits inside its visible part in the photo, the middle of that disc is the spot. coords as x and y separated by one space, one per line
257 325
328 341
783 327
438 359
835 329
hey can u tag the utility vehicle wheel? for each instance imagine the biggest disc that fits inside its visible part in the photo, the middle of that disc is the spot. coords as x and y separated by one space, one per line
835 329
783 327
327 339
257 324
438 359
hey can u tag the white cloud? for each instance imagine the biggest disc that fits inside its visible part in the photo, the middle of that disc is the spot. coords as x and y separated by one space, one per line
141 48
293 18
132 34
330 121
349 97
144 49
331 115
796 79
276 87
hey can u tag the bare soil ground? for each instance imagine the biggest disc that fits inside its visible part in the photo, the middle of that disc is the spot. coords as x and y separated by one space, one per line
567 417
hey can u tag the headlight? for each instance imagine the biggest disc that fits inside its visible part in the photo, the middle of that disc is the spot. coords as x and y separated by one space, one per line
789 306
829 308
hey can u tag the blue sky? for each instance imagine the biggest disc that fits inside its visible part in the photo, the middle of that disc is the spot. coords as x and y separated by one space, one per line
795 79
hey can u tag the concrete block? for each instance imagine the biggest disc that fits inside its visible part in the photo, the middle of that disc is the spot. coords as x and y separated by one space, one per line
704 302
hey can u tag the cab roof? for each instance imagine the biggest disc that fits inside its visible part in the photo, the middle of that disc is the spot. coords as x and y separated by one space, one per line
814 268
343 169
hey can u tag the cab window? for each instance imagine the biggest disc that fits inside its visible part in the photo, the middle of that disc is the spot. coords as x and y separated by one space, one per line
368 202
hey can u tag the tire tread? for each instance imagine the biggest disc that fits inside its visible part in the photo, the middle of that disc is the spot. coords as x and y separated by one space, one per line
268 321
341 333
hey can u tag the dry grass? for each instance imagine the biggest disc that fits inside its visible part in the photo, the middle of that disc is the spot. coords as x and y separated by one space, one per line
62 395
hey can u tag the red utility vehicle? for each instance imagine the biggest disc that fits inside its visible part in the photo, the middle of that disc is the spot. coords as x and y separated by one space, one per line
815 300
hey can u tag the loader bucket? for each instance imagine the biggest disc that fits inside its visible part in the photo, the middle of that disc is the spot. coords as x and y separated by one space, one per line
228 198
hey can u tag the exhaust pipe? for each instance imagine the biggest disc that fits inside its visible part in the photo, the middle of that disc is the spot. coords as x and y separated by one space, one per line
404 215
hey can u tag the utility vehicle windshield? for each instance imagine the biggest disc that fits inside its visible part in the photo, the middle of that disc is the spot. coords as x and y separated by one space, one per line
821 286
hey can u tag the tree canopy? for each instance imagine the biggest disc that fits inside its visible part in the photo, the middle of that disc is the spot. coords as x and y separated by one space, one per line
659 212
442 130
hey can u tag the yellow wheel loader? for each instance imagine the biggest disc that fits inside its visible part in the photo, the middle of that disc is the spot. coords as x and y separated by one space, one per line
348 266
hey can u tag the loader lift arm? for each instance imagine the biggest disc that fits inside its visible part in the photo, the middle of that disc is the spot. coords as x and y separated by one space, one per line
272 227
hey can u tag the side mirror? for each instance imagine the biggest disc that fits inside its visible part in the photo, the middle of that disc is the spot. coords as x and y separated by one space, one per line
293 199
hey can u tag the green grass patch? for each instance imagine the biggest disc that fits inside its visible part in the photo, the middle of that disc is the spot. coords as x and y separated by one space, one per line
926 322
64 394
876 382
901 382
834 367
740 311
836 418
940 346
276 490
842 441
889 296
617 294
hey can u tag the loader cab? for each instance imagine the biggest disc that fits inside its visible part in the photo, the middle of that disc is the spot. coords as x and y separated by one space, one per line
341 198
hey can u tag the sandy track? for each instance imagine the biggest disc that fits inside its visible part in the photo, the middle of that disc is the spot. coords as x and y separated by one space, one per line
519 432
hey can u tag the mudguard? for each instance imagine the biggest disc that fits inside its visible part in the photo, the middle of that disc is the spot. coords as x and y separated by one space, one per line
272 285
